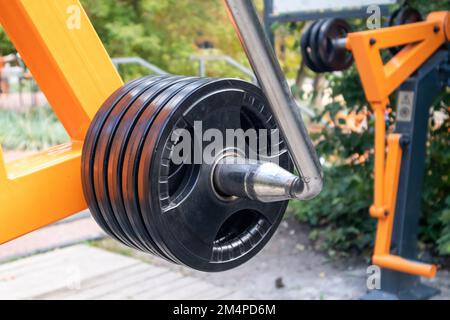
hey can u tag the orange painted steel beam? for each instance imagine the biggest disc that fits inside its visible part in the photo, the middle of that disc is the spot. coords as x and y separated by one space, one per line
421 41
67 59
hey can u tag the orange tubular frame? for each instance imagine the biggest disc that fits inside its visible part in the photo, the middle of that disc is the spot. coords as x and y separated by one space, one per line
76 74
421 41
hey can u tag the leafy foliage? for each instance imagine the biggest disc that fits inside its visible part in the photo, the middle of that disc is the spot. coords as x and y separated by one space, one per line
340 214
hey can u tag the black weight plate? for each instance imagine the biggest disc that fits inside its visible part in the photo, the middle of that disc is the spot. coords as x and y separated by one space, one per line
260 117
305 45
198 198
334 58
201 230
314 43
89 148
116 160
132 156
96 186
100 172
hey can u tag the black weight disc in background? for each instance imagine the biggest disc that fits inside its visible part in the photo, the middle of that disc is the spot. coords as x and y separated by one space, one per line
305 46
172 210
122 139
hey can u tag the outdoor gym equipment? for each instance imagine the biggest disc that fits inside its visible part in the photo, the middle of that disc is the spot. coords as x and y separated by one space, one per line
419 70
209 216
323 46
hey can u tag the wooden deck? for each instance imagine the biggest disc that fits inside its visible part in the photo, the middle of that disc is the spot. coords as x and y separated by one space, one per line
84 272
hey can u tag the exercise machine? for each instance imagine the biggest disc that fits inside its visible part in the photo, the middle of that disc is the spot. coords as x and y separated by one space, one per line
419 72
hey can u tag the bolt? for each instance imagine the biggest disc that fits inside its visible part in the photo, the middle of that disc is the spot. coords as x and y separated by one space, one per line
386 213
436 29
372 41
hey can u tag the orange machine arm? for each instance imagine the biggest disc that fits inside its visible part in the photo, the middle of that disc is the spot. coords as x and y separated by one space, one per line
421 41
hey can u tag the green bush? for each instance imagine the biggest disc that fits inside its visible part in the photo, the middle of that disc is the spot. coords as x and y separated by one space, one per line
339 215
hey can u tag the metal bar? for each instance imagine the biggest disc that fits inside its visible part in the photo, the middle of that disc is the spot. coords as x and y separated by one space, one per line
282 103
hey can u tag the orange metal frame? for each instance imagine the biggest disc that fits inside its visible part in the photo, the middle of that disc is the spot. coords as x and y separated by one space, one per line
380 80
61 48
74 71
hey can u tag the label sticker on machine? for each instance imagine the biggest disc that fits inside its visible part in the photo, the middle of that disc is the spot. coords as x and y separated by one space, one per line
405 105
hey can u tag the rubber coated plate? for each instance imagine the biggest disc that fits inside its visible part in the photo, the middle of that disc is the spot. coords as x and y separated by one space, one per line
306 48
118 168
89 148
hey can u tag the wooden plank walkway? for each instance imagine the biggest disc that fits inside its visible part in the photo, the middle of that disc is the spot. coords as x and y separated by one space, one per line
84 272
